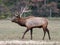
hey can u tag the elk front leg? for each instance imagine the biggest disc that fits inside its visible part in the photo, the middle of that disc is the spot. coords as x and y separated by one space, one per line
31 33
25 33
44 34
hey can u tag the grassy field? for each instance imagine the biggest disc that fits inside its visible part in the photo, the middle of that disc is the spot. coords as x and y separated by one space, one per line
12 31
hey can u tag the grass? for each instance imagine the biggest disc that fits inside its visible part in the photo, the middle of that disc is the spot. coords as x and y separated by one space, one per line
12 31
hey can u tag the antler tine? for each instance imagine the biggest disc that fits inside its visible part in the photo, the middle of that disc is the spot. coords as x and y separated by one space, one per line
24 9
16 13
21 11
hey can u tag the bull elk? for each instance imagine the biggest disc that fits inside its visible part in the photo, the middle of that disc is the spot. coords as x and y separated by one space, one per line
32 22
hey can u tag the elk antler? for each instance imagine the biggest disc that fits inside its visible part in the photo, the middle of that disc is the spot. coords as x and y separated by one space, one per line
17 14
24 10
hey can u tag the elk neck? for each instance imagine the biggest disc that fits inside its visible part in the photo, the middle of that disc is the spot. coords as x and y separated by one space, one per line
21 21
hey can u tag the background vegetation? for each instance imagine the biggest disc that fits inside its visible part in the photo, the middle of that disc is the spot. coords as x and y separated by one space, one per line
46 8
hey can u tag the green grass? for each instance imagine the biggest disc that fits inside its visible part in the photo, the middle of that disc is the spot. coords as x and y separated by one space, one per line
12 31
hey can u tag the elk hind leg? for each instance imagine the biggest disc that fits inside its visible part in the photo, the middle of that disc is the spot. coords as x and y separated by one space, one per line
48 33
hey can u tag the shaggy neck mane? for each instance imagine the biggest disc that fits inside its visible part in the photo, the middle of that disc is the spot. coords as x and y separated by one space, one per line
21 21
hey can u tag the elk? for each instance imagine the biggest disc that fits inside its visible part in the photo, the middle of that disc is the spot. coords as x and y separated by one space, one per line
31 22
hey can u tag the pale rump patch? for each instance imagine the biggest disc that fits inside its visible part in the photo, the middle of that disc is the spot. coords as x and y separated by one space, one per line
35 21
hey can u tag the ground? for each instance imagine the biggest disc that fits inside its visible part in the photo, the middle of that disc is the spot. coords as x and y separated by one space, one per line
12 31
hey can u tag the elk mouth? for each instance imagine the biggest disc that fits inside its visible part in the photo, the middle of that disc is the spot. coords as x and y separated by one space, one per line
12 20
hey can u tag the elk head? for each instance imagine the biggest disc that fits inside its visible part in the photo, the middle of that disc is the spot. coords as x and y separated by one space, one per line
18 15
15 18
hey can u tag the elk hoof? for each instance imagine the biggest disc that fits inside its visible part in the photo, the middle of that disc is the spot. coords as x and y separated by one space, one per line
49 38
42 39
22 37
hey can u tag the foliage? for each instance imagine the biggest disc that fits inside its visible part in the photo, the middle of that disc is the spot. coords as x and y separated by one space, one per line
9 7
58 5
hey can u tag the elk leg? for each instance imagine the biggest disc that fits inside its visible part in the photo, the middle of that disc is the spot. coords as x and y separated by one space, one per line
31 33
24 33
44 33
48 33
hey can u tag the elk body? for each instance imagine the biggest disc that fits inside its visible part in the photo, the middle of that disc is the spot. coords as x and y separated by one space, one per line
32 22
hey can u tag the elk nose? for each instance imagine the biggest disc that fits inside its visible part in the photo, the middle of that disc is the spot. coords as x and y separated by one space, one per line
12 20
